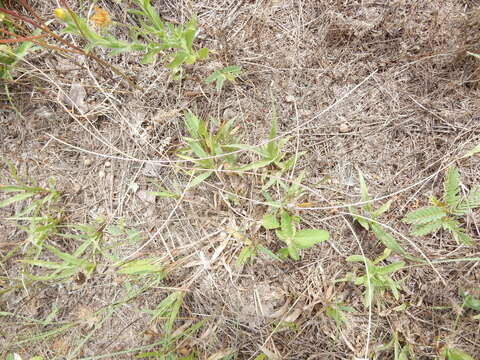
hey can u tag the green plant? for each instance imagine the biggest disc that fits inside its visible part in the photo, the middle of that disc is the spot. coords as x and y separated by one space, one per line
470 302
159 36
271 154
229 73
377 279
39 217
336 310
15 356
452 353
368 217
399 352
168 309
207 149
285 226
81 261
446 213
10 56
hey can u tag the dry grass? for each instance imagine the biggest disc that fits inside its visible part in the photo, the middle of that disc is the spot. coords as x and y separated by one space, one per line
415 112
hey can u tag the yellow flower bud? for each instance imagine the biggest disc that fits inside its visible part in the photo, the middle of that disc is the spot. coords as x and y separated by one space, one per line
60 13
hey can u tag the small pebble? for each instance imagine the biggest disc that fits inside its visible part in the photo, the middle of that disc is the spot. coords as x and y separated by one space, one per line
229 113
101 174
344 128
289 98
87 162
108 164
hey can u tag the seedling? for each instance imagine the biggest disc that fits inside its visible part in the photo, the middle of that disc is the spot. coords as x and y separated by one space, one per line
369 218
168 310
229 73
285 229
336 312
446 213
206 148
250 249
271 154
378 278
159 36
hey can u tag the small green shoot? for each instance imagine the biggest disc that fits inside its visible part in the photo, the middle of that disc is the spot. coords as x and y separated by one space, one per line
271 154
446 213
369 218
229 73
378 279
285 227
203 145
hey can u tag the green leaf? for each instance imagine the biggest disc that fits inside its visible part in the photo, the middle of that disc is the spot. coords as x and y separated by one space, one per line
420 230
471 202
387 239
307 238
390 268
476 149
364 192
385 207
15 198
179 58
424 215
270 222
202 53
267 252
292 250
451 187
199 179
246 253
455 354
140 267
286 225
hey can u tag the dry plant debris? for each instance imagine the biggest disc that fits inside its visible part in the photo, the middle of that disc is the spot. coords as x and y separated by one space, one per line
116 247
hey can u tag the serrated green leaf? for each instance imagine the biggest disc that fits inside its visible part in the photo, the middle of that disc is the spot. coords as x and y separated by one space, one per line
420 230
307 238
424 215
451 187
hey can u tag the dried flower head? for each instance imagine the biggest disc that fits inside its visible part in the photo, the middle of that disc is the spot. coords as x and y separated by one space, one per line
100 18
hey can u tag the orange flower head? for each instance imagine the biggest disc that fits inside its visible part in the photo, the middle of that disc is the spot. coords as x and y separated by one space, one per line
100 18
